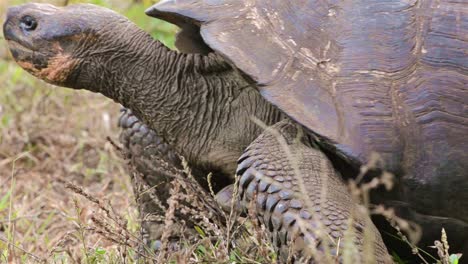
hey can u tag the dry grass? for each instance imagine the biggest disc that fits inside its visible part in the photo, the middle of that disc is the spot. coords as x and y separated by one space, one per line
66 195
48 136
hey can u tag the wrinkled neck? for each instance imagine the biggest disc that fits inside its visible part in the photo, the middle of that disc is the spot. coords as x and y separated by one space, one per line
193 101
116 66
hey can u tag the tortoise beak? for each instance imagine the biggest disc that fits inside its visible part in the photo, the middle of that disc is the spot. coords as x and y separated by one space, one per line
22 22
19 29
8 24
12 32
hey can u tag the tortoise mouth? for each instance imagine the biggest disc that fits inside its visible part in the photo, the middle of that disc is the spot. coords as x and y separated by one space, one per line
22 51
13 39
19 51
53 68
29 59
14 44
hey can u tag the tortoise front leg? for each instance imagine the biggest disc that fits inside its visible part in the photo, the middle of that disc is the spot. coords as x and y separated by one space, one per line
152 163
155 167
302 200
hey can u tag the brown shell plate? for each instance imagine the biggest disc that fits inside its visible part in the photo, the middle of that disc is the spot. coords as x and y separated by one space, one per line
385 76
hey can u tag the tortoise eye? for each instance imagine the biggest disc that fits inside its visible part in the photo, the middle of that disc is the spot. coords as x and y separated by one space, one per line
28 23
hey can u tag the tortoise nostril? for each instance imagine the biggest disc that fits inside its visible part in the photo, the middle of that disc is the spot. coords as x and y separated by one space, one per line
28 23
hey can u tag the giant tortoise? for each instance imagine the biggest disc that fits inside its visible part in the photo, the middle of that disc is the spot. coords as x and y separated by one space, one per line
336 80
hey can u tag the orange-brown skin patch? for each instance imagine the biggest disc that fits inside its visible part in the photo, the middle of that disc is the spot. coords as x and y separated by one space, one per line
57 71
27 66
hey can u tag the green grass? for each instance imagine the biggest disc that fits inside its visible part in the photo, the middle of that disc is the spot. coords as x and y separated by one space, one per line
48 134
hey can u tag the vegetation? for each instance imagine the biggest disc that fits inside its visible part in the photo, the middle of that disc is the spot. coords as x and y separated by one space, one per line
49 136
65 194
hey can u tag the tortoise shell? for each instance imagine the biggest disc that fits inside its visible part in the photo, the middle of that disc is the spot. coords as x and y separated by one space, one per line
384 76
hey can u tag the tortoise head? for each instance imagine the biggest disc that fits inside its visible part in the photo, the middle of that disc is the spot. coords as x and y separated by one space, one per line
51 42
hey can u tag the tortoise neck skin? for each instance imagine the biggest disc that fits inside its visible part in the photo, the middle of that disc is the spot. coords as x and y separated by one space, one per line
197 103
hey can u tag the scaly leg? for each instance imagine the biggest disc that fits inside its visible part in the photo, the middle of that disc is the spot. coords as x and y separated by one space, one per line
296 193
151 161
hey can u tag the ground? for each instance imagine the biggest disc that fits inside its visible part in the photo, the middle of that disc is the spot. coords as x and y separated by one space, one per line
65 193
50 136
